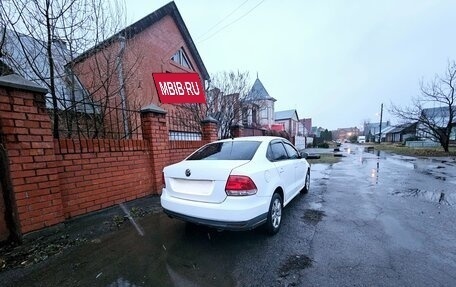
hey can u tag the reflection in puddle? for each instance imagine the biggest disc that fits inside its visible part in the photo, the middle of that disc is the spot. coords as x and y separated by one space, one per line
433 196
369 149
375 172
122 283
179 279
402 162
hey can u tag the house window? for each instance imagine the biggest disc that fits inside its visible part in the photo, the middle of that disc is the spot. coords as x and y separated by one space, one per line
254 115
245 116
181 58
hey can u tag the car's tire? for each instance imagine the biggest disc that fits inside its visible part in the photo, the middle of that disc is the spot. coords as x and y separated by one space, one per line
306 187
274 219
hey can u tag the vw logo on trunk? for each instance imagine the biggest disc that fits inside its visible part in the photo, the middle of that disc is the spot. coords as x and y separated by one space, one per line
188 172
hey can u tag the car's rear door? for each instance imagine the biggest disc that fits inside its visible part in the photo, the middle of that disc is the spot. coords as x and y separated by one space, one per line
298 165
279 156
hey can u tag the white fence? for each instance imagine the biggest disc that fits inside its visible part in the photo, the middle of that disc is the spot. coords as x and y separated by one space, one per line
422 144
300 142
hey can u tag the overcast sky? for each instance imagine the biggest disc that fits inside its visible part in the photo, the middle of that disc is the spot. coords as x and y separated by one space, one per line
334 61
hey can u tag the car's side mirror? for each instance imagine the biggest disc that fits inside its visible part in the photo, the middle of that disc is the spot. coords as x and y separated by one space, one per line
304 155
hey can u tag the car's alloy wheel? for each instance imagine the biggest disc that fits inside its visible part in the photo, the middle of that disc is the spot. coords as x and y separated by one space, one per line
306 187
275 214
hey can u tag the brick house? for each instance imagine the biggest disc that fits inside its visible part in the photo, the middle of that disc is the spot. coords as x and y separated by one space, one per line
158 43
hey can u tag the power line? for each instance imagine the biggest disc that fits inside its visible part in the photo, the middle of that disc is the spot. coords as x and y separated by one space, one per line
242 16
223 19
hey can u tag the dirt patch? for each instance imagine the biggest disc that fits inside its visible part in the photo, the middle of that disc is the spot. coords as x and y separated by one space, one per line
325 159
421 152
313 216
15 255
294 263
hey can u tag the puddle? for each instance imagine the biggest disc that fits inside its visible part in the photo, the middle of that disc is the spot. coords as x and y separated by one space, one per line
402 162
313 216
369 149
295 263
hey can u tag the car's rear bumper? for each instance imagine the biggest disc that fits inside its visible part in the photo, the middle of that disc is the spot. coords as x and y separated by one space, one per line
225 225
234 213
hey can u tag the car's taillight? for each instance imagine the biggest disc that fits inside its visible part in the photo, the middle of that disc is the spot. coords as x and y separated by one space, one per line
240 185
163 180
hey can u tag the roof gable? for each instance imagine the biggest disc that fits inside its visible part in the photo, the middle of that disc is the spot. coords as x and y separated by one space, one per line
285 115
169 9
441 112
401 128
258 92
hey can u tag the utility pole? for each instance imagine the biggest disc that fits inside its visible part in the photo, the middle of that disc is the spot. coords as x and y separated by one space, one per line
381 118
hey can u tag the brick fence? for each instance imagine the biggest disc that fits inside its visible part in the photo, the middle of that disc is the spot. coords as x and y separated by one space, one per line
45 185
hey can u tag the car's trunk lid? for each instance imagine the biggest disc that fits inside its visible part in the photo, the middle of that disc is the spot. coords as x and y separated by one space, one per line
200 180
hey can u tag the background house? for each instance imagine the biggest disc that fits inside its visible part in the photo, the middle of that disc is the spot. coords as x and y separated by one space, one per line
343 134
15 60
307 123
371 129
438 117
383 134
401 133
290 121
258 107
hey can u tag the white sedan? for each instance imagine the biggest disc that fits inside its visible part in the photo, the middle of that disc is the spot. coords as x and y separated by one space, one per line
236 184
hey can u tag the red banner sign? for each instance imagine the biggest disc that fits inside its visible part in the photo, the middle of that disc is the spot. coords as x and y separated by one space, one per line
179 88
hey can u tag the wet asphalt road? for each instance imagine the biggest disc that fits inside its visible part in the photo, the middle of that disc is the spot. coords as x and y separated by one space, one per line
369 220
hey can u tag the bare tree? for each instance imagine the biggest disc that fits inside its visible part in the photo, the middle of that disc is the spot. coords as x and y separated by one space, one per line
226 97
228 105
106 70
434 110
45 39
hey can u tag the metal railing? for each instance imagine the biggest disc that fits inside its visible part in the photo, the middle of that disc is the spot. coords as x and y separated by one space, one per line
183 129
95 121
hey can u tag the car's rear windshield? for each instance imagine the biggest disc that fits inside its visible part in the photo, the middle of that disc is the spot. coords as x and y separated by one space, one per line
230 150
